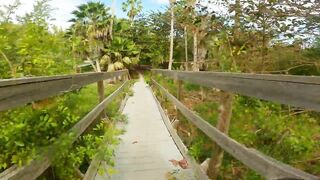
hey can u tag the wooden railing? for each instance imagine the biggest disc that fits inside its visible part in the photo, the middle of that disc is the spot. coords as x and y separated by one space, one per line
301 91
16 92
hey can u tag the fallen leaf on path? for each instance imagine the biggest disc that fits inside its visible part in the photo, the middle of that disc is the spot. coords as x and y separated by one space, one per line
134 142
174 162
182 163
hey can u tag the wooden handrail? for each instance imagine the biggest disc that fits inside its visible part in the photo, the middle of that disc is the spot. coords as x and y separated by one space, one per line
16 92
264 165
199 172
300 91
39 165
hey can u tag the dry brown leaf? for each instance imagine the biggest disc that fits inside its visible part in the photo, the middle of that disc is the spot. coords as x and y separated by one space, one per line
174 162
183 164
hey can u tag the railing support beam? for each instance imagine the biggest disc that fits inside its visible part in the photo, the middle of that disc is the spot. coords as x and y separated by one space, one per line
223 126
100 85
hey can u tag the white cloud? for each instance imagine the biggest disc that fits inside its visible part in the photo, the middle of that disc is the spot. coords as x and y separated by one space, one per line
62 9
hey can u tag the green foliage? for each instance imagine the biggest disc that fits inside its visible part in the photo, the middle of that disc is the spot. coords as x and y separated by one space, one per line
100 144
274 131
36 51
197 148
150 34
28 129
191 87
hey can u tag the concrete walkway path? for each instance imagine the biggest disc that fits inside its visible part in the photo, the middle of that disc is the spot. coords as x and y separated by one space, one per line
146 146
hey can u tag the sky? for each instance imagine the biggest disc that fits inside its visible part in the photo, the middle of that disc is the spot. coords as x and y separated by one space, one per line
63 8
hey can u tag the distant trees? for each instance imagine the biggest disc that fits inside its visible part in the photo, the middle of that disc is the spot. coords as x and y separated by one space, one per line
101 39
92 25
28 48
7 11
269 23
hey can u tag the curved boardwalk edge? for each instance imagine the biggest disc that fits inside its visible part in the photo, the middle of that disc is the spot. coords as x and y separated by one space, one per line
264 165
200 174
96 162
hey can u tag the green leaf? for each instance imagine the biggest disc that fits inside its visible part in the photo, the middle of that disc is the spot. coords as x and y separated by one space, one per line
19 143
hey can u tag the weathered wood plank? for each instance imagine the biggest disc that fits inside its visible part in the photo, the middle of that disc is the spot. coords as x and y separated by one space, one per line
301 91
93 169
39 165
96 162
18 92
266 166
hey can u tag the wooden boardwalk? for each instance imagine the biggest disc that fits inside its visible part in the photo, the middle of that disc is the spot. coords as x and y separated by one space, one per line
146 146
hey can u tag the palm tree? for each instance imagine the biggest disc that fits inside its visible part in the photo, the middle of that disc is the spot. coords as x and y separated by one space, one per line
95 17
133 8
92 23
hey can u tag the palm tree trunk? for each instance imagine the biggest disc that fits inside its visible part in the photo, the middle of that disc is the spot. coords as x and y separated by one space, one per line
195 51
171 38
111 22
186 46
132 13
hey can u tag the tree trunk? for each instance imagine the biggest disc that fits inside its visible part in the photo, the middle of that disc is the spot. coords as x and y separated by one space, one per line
237 20
100 85
264 50
186 46
12 69
111 22
223 126
195 51
202 53
171 38
132 13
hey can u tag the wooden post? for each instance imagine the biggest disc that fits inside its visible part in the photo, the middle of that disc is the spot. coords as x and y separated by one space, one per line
127 76
179 90
175 123
179 96
101 95
100 89
222 125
